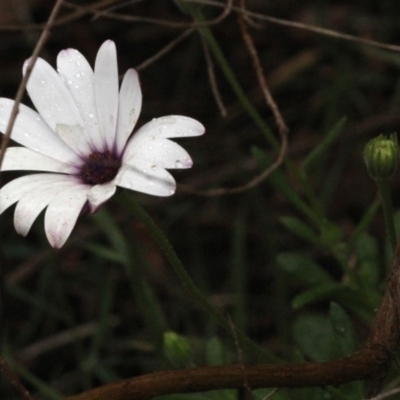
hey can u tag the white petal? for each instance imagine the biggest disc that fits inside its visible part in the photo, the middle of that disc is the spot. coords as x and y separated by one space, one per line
31 131
62 213
14 190
99 194
34 201
172 126
147 178
78 76
106 91
20 158
161 152
130 104
56 105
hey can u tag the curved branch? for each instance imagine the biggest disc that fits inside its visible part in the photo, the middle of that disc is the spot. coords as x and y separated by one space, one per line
363 365
370 364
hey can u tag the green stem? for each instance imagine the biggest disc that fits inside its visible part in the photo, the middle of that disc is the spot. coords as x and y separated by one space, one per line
188 285
386 199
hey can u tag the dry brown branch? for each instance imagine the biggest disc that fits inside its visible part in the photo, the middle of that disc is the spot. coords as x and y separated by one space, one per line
213 81
164 50
370 364
62 20
282 127
121 4
38 48
131 18
14 380
269 395
386 394
62 339
239 350
305 27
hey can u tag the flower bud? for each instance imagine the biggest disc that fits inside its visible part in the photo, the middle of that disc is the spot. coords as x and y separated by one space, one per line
381 156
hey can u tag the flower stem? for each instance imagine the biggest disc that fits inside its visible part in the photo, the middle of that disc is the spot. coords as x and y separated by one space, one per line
189 286
384 191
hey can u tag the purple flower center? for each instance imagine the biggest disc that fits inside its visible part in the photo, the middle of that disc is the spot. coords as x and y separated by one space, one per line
99 168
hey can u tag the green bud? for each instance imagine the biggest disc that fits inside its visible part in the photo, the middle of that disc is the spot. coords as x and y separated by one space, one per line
177 349
381 156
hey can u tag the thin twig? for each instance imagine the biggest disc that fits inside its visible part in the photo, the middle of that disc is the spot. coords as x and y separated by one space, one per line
386 394
280 122
164 50
283 129
213 81
270 394
115 7
162 22
82 11
11 376
239 350
14 380
63 338
38 48
305 27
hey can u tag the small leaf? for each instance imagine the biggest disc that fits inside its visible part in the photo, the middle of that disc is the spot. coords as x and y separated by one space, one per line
319 293
177 349
367 251
282 185
328 140
342 329
215 352
300 229
314 336
303 269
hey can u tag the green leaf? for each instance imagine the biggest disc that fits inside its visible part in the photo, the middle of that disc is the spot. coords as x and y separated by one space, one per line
300 229
215 352
319 293
314 335
282 185
342 329
345 345
177 349
331 234
105 253
328 140
369 261
302 269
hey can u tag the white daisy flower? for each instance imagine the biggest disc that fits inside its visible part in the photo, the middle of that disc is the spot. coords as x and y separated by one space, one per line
80 138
